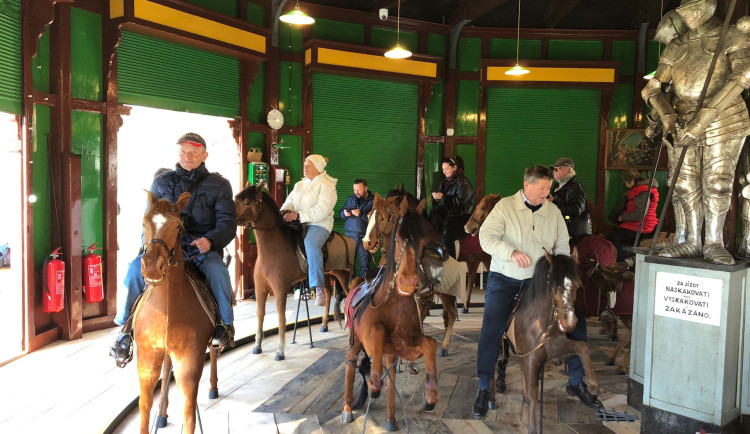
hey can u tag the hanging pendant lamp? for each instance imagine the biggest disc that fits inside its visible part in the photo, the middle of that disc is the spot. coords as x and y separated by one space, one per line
296 16
518 69
398 52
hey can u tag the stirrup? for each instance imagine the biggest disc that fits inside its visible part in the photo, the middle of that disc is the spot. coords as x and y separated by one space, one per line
223 336
122 349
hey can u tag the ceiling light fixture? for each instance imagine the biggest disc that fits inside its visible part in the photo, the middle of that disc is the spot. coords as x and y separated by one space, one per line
296 16
518 69
398 52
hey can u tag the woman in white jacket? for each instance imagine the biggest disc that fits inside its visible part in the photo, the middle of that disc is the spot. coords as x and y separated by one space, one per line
311 202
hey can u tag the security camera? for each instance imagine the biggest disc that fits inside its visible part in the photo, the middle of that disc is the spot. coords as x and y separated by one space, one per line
383 14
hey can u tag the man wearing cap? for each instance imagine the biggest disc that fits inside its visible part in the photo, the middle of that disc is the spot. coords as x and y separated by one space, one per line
311 202
570 197
210 225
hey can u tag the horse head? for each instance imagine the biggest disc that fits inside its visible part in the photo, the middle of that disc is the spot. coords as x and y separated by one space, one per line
248 204
563 281
481 212
161 236
382 218
404 251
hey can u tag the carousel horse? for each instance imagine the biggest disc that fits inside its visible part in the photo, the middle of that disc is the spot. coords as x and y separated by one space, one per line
171 324
384 319
382 218
471 251
543 316
278 265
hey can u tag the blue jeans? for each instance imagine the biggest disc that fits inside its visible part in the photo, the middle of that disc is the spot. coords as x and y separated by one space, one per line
210 264
363 256
314 240
574 363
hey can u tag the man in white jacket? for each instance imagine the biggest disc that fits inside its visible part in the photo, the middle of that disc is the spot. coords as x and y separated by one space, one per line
311 202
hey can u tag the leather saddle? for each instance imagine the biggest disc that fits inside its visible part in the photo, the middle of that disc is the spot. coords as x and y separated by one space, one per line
431 263
200 286
300 231
360 297
609 278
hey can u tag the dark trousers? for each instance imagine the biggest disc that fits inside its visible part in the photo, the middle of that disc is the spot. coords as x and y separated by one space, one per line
363 256
453 230
574 363
620 238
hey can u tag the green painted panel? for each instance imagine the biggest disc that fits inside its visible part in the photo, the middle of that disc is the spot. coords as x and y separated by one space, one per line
42 209
290 157
340 31
528 126
469 54
624 52
467 107
621 112
290 93
256 14
351 115
290 37
434 116
40 64
226 7
10 56
436 45
170 76
86 55
654 50
256 104
87 131
386 38
575 50
469 154
433 155
506 48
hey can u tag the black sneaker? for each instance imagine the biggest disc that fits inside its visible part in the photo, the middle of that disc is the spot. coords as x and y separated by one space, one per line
122 349
581 392
223 336
481 403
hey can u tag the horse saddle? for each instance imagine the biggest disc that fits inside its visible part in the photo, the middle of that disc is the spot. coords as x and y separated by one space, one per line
431 262
360 297
609 278
299 239
205 296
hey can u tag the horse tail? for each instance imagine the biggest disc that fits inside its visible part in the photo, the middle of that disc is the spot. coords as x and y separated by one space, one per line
364 370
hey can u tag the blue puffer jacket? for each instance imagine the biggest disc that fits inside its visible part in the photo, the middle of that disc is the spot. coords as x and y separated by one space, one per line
356 227
212 214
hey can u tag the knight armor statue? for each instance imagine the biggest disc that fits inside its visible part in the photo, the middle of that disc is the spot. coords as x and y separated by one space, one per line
713 133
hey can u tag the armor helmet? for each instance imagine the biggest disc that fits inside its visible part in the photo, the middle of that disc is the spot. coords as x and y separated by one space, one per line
671 26
696 12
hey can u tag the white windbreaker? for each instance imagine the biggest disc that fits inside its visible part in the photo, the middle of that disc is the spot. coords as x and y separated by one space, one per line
314 200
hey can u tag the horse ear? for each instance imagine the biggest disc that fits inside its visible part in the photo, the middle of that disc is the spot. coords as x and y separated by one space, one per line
183 200
248 184
547 255
262 184
421 205
151 198
376 199
574 254
404 208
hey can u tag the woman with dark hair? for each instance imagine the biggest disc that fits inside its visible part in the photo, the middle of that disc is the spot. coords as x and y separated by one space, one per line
454 202
636 199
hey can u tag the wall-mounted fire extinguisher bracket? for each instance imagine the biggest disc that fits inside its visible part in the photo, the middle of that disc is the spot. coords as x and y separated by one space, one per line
92 275
53 281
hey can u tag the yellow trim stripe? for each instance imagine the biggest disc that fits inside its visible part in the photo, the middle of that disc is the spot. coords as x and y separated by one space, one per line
184 21
116 8
570 75
308 56
376 63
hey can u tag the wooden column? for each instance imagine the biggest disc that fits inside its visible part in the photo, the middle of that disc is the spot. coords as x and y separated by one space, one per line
425 94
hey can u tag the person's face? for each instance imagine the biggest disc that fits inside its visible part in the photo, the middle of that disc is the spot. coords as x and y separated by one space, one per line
309 170
191 156
448 170
560 172
629 184
537 192
360 190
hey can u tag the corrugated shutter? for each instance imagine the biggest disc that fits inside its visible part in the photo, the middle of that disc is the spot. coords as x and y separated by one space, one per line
10 56
537 126
367 129
170 76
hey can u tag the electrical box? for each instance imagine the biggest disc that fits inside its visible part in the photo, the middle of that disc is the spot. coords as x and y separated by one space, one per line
257 172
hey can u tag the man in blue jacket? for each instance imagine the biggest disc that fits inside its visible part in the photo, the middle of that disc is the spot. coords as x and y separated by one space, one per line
354 213
210 224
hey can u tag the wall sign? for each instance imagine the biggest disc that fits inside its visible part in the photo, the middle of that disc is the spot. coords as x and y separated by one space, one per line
688 298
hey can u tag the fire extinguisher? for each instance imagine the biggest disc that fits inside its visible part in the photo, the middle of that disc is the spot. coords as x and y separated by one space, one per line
53 280
92 276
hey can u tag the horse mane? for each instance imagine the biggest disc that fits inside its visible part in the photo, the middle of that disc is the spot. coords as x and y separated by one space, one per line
268 201
559 267
411 229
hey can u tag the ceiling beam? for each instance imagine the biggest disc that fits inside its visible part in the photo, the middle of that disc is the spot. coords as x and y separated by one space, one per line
473 10
557 10
385 4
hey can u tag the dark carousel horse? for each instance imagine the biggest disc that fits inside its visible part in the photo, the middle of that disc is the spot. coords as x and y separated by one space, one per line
471 252
170 323
545 313
385 320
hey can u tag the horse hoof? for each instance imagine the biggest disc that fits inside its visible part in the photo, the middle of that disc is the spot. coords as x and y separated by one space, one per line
613 338
279 357
390 425
257 350
610 362
427 406
161 422
443 352
621 371
323 329
501 387
374 394
464 310
213 393
347 417
492 405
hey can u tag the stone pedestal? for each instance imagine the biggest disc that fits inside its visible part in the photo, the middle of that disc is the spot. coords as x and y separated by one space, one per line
687 332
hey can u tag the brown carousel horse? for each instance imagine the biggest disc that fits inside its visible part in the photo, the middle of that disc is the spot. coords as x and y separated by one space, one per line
474 255
383 217
385 321
537 330
277 267
171 325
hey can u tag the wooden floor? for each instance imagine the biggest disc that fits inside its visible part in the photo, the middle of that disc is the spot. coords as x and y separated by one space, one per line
75 387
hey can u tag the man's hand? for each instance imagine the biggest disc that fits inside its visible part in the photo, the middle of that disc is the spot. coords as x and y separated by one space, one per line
203 244
437 195
347 213
356 212
290 216
521 259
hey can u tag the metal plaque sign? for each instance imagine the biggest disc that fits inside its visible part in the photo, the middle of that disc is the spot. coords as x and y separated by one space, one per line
689 298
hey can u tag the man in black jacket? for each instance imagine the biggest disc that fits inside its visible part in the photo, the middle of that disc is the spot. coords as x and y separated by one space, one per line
210 224
354 213
570 197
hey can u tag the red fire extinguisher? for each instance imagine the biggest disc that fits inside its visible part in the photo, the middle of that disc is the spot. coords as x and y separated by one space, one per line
53 280
92 276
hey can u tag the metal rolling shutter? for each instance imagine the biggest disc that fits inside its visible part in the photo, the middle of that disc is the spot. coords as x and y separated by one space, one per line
10 56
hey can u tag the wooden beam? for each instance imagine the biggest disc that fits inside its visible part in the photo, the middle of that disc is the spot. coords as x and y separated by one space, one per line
557 10
474 9
387 4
